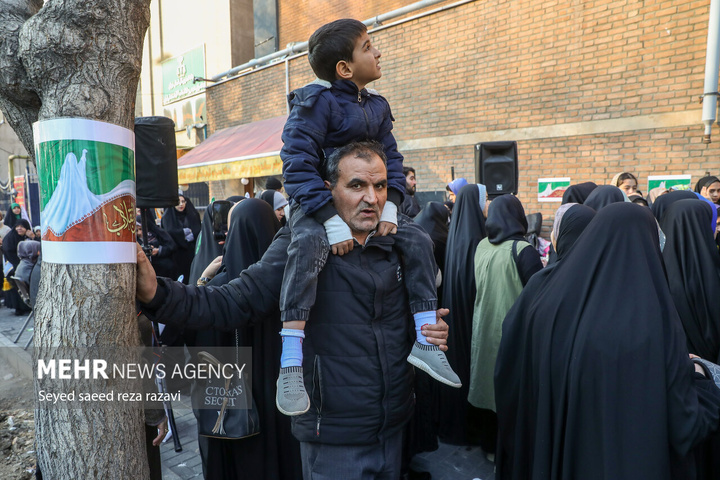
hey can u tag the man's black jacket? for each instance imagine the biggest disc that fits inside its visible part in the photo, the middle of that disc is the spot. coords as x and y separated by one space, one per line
357 339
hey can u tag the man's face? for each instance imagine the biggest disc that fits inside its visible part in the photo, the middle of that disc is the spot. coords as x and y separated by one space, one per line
711 192
360 193
365 64
410 183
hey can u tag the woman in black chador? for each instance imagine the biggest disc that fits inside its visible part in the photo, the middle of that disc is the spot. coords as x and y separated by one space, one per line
183 224
603 196
693 272
578 193
467 228
593 378
274 453
9 248
663 202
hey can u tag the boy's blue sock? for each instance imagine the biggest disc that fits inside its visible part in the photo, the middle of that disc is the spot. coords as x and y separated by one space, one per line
292 355
424 318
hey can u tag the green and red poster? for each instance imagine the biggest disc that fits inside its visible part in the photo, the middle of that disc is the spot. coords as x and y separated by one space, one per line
86 170
552 189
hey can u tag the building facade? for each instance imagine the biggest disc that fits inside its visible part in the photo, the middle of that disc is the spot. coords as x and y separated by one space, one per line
588 89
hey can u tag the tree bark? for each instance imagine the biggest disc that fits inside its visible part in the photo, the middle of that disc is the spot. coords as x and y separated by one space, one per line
78 58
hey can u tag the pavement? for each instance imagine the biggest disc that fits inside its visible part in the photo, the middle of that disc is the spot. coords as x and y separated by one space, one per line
448 462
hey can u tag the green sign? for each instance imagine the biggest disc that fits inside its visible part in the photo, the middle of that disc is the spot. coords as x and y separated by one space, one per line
178 73
676 182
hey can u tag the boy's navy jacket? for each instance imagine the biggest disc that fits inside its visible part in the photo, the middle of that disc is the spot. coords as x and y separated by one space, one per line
325 116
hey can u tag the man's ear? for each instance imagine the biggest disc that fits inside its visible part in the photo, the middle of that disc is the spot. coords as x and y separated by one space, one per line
328 185
343 71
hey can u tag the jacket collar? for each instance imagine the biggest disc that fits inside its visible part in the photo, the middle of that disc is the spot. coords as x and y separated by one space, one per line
348 86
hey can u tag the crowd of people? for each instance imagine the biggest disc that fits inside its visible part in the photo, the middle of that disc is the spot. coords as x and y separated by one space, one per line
598 365
21 250
565 367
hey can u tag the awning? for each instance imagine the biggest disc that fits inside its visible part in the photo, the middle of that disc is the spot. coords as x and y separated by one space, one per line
250 150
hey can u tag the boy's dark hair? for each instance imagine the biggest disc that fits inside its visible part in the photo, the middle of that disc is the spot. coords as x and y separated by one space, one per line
407 170
331 43
364 150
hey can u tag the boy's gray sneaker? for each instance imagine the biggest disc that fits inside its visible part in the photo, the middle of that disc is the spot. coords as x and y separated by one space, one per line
291 398
431 360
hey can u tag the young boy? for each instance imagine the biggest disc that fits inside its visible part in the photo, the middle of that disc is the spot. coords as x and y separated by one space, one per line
327 114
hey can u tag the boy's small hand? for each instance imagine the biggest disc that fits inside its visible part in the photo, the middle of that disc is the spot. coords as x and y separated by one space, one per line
342 248
386 228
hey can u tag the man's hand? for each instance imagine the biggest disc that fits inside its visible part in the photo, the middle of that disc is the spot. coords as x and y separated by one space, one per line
386 228
146 279
343 247
437 334
162 432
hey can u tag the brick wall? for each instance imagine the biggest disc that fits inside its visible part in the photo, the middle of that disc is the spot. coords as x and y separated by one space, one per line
566 79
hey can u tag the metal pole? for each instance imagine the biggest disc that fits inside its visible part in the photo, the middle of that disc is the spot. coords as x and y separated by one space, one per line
301 47
712 64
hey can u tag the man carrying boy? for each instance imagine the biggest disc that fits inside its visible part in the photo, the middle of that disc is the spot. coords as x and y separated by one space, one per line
358 336
327 114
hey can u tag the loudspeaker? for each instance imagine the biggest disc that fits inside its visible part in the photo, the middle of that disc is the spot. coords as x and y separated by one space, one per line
496 167
155 163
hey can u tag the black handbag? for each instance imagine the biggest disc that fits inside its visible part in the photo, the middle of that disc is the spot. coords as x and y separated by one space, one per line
712 371
236 415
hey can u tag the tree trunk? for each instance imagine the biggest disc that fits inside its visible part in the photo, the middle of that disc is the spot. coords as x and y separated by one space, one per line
78 58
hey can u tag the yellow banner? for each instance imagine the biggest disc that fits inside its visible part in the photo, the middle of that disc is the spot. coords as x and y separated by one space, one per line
255 167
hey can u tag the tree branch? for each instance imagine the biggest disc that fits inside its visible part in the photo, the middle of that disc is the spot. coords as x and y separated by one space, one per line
19 100
85 57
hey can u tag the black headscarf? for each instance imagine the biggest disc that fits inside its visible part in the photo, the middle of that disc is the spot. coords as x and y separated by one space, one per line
274 453
693 272
434 220
173 222
207 248
593 379
269 197
572 224
11 240
10 218
250 231
578 193
506 220
603 196
661 204
467 228
704 182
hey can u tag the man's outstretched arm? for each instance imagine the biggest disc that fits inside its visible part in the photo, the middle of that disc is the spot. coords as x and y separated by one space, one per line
245 300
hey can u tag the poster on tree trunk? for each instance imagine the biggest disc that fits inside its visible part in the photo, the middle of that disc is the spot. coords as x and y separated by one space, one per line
86 171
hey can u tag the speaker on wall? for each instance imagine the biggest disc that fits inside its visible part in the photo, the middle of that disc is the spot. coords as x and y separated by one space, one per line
155 162
496 167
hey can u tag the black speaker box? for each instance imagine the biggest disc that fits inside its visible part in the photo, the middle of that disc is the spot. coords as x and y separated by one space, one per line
496 167
155 163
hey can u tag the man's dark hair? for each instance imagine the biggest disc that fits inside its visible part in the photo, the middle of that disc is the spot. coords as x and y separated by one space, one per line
407 170
332 43
364 150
